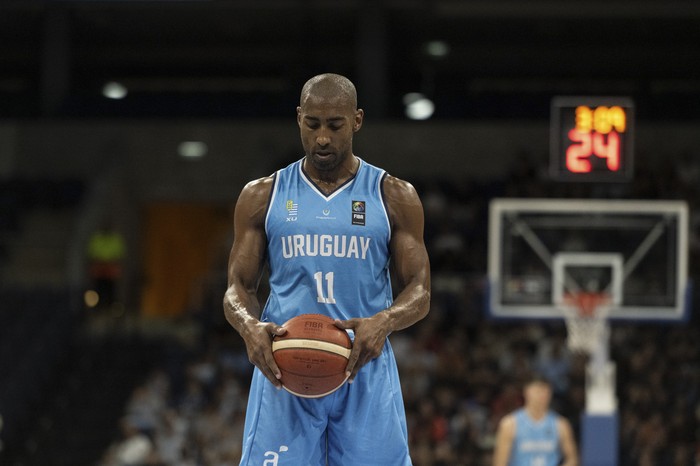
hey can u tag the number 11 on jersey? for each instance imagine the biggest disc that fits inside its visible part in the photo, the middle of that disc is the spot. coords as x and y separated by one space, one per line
328 297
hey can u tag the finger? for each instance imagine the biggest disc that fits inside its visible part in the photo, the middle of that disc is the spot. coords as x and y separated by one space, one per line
350 369
269 375
352 374
274 329
345 324
272 364
272 372
261 364
264 360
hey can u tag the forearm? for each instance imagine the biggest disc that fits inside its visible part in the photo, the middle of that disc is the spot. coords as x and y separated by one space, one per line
241 308
570 454
501 455
410 306
500 460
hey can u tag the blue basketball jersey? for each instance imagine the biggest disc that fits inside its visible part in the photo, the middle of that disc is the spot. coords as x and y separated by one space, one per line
536 442
328 254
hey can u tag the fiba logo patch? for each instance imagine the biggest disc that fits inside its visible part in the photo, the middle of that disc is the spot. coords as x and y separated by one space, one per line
292 211
358 213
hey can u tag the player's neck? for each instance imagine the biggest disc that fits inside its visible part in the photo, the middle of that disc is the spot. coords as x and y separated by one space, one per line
536 413
329 180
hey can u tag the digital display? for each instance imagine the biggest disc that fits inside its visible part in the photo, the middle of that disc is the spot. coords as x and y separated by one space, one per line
591 139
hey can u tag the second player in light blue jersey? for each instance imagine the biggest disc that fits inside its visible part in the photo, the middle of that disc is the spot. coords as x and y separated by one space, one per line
534 435
330 227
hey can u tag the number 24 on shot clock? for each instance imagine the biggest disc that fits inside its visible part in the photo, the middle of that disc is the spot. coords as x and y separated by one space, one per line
591 138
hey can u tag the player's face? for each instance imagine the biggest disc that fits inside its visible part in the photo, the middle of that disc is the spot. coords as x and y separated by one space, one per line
327 127
538 394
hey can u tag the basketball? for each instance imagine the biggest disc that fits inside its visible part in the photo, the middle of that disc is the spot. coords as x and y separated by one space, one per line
312 355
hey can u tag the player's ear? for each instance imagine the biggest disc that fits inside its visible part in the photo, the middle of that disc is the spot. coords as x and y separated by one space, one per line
299 116
359 116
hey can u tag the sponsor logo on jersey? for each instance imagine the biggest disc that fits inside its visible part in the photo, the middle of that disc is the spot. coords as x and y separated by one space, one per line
326 215
358 213
538 446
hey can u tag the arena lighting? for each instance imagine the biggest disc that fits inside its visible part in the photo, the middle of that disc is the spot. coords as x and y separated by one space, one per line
192 149
418 106
91 298
114 90
437 48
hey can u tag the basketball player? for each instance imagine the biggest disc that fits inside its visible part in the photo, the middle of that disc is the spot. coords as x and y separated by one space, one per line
534 435
328 227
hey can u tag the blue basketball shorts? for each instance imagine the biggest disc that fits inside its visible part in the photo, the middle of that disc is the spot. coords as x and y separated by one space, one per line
362 423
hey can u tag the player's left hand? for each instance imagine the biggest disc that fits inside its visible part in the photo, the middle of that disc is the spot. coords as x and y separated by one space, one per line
370 337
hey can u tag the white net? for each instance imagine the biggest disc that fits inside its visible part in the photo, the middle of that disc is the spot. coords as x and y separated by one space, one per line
586 317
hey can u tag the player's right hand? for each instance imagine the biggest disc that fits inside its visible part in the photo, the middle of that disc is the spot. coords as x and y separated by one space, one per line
258 342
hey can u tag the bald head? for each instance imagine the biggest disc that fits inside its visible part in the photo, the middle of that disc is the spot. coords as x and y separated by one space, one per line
329 87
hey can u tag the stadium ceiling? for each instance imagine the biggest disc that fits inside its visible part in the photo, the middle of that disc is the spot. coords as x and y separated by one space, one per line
248 58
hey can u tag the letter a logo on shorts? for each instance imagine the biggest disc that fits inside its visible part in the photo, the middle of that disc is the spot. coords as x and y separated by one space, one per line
272 457
358 213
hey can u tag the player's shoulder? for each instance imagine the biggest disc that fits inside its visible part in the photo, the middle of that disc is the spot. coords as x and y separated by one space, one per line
507 425
398 189
403 204
508 421
254 197
259 186
562 422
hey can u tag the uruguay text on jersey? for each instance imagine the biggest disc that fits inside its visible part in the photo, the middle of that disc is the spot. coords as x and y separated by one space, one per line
351 247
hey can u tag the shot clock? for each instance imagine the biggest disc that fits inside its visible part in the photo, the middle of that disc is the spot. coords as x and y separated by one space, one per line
591 138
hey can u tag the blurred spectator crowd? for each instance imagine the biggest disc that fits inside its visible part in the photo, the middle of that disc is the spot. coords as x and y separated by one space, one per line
461 372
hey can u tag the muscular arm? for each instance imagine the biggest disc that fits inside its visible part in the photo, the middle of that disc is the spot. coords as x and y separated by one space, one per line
411 268
241 306
504 441
568 443
408 254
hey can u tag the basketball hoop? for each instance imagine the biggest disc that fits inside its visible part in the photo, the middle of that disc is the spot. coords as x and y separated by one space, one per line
586 317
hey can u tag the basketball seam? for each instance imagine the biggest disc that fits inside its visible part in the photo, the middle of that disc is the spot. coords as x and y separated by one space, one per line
304 343
302 395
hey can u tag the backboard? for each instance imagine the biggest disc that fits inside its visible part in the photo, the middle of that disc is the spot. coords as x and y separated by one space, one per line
542 250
